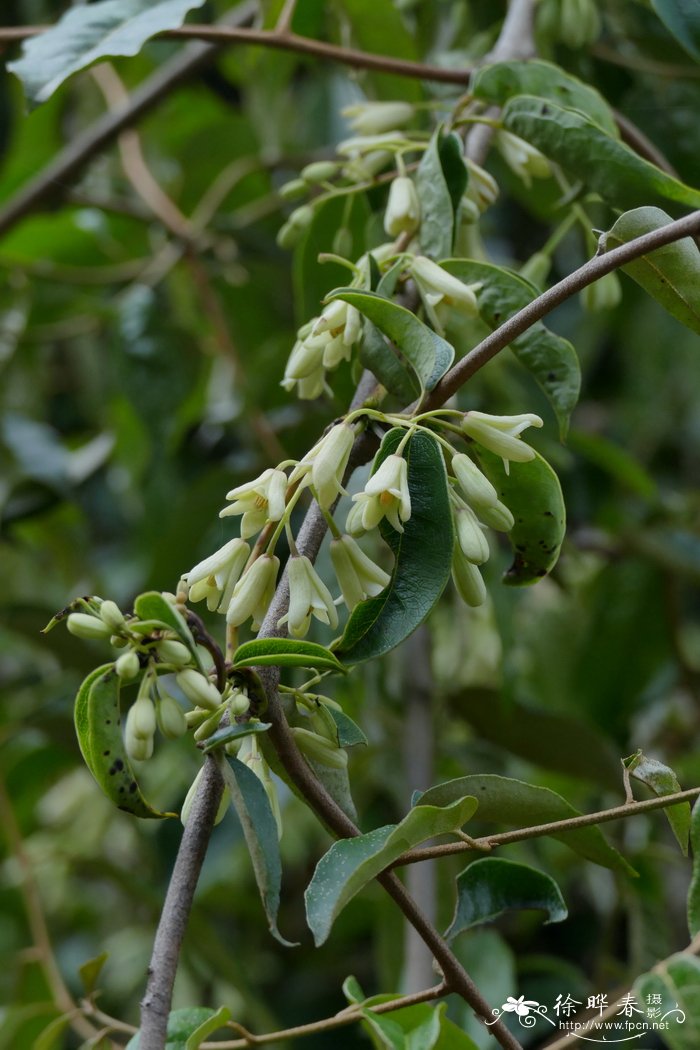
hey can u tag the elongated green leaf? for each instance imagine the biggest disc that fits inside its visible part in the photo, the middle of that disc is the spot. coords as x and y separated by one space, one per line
428 354
98 727
550 358
504 80
514 802
152 606
349 733
414 1027
613 170
89 33
533 495
670 274
285 652
181 1025
441 180
491 886
233 732
422 556
90 972
677 982
52 1035
351 863
212 1024
259 828
693 903
682 18
390 368
662 781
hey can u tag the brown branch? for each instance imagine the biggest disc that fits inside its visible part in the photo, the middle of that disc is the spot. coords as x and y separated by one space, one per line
555 827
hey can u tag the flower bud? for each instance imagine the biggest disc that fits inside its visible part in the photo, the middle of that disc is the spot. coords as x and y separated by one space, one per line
170 717
82 625
342 242
141 719
239 703
171 651
496 517
299 221
320 171
118 641
128 666
198 689
402 213
476 487
196 716
111 614
468 581
139 749
294 188
471 539
374 118
319 748
210 726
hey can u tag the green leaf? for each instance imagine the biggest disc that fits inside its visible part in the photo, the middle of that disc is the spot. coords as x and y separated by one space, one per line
503 80
285 652
610 168
422 556
98 727
677 981
259 828
218 1020
533 495
53 1032
516 803
152 606
428 354
90 971
662 781
418 1027
682 19
349 733
670 274
90 33
233 732
351 863
693 903
550 359
181 1025
491 886
441 180
388 365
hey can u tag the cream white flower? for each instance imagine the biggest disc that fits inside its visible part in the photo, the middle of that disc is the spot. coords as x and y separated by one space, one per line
373 118
467 579
198 689
308 596
402 213
385 495
339 318
215 577
324 465
358 576
501 434
470 536
476 487
437 286
523 159
253 592
259 501
482 188
496 517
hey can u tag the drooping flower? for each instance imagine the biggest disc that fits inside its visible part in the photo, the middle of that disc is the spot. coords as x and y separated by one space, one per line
324 465
308 596
482 188
253 592
259 501
402 213
436 285
215 577
475 486
501 434
470 536
339 318
373 118
521 157
386 495
359 577
467 579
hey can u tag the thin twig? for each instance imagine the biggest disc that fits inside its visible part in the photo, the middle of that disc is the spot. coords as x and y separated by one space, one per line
555 827
284 22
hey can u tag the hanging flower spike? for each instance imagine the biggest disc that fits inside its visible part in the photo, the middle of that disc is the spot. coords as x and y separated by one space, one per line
308 596
324 465
501 434
373 118
216 576
524 160
467 579
402 213
386 495
258 501
470 537
253 592
436 285
358 576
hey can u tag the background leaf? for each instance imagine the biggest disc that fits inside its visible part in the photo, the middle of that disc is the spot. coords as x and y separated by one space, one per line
682 18
89 33
513 802
609 167
181 1024
351 863
677 981
670 274
662 781
489 887
422 556
441 180
549 358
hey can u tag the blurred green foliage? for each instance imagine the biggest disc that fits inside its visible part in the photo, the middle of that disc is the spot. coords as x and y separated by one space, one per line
140 381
